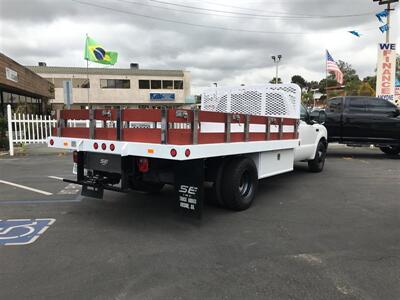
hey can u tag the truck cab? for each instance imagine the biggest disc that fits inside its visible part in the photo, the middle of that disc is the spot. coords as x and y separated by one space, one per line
358 120
313 141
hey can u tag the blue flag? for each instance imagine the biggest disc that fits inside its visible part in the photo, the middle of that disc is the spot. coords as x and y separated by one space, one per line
384 28
356 33
382 14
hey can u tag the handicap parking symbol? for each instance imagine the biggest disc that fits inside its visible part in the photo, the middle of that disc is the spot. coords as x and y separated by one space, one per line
22 231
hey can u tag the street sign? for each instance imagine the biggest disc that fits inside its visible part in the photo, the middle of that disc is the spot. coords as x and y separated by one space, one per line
67 86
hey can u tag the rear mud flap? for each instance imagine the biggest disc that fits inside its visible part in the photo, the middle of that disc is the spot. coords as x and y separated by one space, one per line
189 186
92 191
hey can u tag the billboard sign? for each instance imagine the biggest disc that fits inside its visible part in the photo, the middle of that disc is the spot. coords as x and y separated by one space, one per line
162 96
11 75
386 71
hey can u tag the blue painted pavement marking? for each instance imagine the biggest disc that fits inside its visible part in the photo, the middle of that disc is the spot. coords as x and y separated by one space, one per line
22 231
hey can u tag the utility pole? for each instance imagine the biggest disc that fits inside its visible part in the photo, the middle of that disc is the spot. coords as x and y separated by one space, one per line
276 60
388 9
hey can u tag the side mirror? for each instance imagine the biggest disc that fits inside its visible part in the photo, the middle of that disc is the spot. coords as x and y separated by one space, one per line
317 117
321 117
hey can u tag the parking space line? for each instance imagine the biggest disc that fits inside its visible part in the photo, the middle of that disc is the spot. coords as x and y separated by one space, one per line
55 177
26 188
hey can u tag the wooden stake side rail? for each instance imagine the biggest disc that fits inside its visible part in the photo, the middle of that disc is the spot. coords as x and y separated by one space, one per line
175 126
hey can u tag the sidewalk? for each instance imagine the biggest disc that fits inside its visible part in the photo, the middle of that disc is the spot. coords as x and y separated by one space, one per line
32 150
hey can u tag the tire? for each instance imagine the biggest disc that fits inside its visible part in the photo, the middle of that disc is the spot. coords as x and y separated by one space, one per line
240 184
147 187
390 150
317 164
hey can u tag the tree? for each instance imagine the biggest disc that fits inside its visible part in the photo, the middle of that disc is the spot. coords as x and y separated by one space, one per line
300 81
366 90
326 82
307 98
312 85
273 80
371 81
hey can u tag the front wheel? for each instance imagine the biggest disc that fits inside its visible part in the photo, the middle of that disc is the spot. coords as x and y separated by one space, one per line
240 183
317 164
390 150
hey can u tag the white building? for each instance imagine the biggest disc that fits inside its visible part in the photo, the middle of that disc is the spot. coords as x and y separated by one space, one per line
111 87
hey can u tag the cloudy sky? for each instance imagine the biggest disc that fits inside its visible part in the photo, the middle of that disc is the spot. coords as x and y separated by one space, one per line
225 41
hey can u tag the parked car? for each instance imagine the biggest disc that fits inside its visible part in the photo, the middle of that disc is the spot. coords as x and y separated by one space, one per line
358 120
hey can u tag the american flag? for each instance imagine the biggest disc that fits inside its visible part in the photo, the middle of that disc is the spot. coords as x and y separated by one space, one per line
331 66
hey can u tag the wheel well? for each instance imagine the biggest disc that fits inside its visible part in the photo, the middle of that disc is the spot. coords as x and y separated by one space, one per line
323 139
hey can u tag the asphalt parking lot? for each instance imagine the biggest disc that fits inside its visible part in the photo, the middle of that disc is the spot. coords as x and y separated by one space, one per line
333 235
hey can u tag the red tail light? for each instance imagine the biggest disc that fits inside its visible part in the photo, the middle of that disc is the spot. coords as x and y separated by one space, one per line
51 142
143 165
75 156
112 147
173 152
103 146
187 152
95 146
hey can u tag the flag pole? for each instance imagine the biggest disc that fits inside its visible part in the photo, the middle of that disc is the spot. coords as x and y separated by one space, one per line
87 73
326 74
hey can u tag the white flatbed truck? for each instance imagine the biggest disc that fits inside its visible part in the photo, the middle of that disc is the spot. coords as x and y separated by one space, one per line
239 135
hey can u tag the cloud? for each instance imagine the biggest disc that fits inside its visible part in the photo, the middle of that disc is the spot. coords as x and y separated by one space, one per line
54 31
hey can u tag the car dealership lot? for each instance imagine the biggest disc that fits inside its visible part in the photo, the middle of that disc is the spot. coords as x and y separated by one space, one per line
329 235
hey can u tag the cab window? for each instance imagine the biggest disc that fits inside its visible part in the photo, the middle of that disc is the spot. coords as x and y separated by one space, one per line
356 105
303 113
335 105
377 105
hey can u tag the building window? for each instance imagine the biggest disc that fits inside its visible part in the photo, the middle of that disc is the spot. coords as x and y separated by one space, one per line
167 84
83 83
156 84
144 84
115 83
178 84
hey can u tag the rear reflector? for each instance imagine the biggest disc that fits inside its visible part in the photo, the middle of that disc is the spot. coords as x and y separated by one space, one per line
187 152
143 165
173 152
75 156
103 146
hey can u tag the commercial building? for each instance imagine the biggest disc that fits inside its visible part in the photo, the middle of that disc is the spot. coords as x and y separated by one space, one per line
23 89
117 88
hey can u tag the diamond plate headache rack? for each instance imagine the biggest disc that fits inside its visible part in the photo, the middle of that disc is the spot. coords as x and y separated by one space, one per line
275 100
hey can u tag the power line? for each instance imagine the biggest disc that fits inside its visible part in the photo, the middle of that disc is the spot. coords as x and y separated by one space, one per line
211 14
258 15
187 23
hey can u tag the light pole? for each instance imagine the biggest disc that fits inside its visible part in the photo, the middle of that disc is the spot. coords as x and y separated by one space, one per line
276 60
388 9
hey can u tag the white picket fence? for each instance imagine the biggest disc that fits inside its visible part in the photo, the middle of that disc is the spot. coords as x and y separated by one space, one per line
28 128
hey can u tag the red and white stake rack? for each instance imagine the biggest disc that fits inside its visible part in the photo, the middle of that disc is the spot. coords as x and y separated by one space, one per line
173 133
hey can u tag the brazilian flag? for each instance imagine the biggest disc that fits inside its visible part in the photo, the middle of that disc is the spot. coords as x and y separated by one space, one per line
96 53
